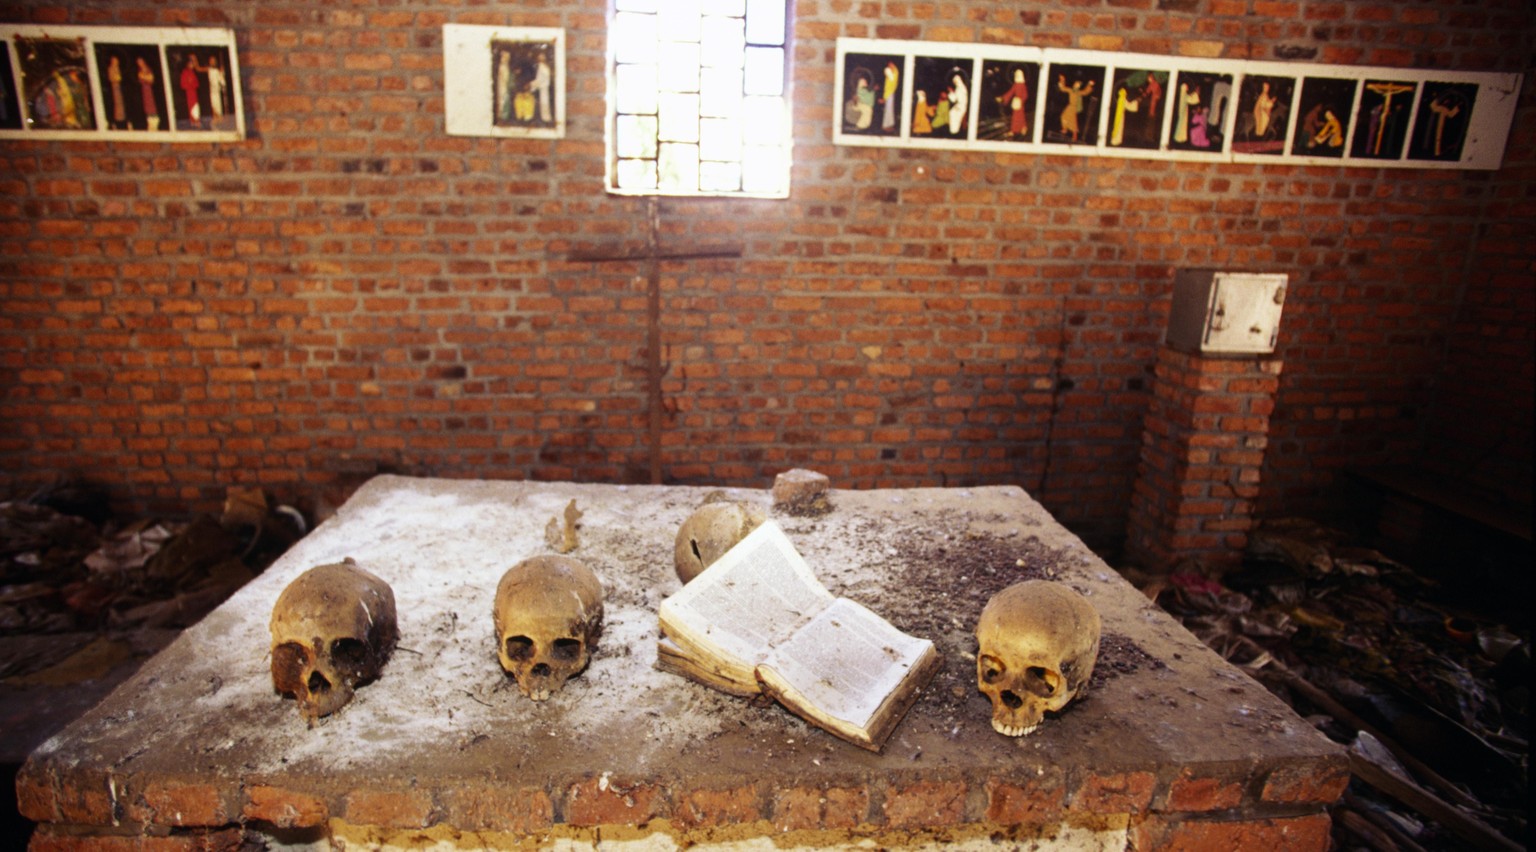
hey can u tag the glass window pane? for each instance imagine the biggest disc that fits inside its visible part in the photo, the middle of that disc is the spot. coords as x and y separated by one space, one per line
678 168
765 71
719 139
723 41
698 105
634 38
720 177
678 20
679 67
636 174
765 21
679 118
635 88
765 169
635 136
764 121
720 92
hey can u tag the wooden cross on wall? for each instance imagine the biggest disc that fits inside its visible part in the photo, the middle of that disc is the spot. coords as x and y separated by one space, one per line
653 254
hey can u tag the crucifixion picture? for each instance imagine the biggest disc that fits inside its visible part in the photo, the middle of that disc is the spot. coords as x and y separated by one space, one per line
1381 122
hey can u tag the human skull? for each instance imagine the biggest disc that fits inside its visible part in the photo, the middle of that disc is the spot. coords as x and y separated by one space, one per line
1038 642
548 612
333 628
709 532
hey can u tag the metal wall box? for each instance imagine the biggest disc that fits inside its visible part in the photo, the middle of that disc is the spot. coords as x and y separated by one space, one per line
1217 312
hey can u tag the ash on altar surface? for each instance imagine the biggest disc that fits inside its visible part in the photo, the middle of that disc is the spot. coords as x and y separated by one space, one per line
944 603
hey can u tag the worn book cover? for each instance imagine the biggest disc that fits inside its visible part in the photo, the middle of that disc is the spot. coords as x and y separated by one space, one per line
759 621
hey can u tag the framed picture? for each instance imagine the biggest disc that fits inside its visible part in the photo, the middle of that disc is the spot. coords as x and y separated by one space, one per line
1382 119
1324 116
1138 104
504 81
55 84
132 87
1263 114
1202 101
1073 95
871 103
1008 101
1046 100
119 83
1440 127
946 84
200 87
10 104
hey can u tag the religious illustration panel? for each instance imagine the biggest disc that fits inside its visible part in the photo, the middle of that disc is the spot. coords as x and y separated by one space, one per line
132 83
915 94
504 81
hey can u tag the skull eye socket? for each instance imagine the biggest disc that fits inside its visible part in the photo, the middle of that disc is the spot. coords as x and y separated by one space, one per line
349 654
991 669
288 663
1041 681
566 650
519 648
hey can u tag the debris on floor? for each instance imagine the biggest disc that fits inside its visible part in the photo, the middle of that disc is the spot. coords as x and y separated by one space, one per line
1432 697
85 597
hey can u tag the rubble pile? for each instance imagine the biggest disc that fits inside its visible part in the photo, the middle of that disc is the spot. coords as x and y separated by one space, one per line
68 568
1431 696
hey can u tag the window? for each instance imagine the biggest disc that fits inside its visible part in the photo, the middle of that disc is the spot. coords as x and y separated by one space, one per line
697 98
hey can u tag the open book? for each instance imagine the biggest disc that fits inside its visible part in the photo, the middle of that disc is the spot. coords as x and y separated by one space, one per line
758 621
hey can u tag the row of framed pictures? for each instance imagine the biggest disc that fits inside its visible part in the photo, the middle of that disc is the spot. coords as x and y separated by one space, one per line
1042 100
138 83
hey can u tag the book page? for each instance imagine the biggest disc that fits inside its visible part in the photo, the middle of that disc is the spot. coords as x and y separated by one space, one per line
846 661
748 600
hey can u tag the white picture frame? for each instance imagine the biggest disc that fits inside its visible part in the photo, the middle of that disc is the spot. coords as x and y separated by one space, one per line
139 84
504 81
1194 110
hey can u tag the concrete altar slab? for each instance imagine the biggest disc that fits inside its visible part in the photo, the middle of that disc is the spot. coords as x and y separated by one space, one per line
1170 744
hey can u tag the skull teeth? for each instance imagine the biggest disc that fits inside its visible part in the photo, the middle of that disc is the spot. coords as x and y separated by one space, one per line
1013 730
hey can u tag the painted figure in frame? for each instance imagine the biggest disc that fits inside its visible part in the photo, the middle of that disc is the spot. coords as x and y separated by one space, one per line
1136 108
1382 119
1440 128
872 94
1263 111
130 85
1072 94
523 83
941 94
1007 107
1200 104
10 108
56 84
1322 116
203 97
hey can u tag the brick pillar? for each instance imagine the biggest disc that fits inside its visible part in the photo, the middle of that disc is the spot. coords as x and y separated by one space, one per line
1201 454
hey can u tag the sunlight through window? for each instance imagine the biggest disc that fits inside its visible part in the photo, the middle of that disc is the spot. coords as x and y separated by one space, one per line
698 99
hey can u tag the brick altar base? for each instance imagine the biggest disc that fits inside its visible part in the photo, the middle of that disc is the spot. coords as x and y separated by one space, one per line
1171 748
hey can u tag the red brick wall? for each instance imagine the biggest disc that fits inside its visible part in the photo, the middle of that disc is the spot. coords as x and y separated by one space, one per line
352 291
1480 420
1202 459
